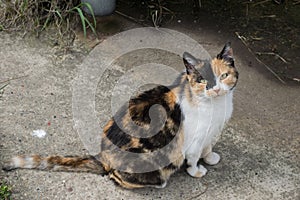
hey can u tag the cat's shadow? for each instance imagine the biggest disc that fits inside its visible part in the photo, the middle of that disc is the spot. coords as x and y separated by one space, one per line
180 186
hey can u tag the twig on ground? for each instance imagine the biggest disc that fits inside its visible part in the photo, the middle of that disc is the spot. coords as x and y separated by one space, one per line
296 3
261 2
132 19
198 195
268 16
296 79
243 39
272 54
256 38
2 90
10 79
2 87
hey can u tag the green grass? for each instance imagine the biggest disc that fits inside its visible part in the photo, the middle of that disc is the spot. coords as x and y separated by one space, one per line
83 18
5 191
35 16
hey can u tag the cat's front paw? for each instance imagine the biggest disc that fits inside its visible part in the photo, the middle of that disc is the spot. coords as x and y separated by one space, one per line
197 172
212 158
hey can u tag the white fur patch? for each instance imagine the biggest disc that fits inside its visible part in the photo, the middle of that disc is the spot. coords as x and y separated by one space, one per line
197 171
28 162
39 133
203 125
212 158
202 169
17 162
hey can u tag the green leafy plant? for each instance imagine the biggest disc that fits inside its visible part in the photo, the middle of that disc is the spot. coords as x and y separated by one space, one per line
74 10
83 18
5 191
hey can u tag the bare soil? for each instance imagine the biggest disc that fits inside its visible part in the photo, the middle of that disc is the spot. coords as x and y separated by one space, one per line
270 30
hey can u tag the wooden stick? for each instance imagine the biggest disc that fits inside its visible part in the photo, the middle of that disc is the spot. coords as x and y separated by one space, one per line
198 195
268 16
132 19
2 87
10 79
261 2
243 39
272 54
296 3
296 79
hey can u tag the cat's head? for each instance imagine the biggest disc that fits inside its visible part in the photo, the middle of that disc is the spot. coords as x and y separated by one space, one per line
212 78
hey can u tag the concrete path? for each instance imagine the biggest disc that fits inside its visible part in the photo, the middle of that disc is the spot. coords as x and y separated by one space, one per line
260 148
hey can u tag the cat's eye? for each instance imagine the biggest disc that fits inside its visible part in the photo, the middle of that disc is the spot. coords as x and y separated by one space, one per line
200 79
223 76
203 81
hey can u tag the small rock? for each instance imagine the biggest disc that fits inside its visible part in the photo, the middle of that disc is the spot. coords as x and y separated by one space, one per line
39 133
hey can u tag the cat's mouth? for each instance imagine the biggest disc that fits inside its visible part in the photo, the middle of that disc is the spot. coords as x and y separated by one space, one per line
216 93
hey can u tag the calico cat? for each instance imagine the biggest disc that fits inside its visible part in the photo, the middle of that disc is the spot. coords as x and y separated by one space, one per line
193 110
206 112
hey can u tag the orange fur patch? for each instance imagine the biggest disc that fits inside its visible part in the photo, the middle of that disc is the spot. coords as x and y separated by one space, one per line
118 178
108 125
176 156
198 175
220 67
171 98
134 143
190 90
166 173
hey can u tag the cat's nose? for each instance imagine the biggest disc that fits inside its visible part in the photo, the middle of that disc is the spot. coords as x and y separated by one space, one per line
217 90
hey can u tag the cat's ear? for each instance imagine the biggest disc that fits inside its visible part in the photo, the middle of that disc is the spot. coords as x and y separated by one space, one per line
190 62
227 54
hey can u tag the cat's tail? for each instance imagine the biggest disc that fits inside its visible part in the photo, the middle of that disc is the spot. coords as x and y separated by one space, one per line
56 163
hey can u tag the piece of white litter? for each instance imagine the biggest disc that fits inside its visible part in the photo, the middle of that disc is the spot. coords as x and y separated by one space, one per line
39 133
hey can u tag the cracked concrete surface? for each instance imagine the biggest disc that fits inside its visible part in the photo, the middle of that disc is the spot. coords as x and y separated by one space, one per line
260 147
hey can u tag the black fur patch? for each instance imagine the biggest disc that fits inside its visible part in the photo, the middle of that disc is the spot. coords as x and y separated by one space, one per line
208 74
172 166
148 178
139 111
117 136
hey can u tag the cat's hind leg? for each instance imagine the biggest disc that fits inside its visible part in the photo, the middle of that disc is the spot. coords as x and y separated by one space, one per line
138 180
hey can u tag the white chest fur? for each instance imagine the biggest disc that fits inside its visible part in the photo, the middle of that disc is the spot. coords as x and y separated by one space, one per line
204 122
